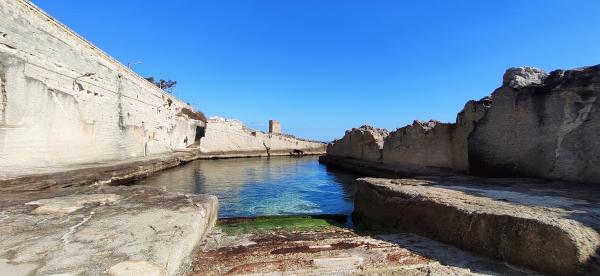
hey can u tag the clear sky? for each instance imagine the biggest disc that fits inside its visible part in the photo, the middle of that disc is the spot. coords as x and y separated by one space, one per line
321 67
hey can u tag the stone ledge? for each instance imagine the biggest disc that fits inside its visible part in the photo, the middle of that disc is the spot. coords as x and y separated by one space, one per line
538 225
108 229
114 172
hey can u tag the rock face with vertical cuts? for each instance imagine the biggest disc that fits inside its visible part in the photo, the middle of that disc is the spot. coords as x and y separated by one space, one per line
534 125
541 125
64 102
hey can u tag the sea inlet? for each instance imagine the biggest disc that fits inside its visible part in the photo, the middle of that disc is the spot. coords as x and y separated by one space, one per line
251 187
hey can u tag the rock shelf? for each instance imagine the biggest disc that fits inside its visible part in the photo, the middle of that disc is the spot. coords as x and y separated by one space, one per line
96 229
549 227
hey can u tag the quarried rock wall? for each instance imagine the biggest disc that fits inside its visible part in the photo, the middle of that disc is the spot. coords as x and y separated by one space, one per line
534 125
541 125
364 143
64 102
420 146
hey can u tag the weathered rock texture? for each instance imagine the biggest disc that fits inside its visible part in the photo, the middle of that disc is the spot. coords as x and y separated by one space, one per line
230 138
553 230
64 102
93 230
334 250
534 125
365 143
541 125
113 172
421 146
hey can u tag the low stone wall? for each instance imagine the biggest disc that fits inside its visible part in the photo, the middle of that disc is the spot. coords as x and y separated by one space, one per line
64 102
534 125
230 138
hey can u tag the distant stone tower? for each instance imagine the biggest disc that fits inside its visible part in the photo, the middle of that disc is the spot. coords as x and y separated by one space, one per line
274 126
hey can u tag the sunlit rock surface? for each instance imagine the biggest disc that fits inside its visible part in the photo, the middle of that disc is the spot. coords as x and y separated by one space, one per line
420 146
365 143
64 102
230 138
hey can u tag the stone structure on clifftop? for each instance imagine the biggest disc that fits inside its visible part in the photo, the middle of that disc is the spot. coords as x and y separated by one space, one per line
534 125
274 126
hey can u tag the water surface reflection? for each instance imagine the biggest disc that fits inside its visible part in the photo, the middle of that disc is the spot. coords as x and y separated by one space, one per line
261 186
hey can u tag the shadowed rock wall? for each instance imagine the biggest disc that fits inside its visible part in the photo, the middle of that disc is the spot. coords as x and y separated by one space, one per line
63 102
541 125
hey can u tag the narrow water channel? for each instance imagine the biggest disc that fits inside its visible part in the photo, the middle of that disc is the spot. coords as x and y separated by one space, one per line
249 187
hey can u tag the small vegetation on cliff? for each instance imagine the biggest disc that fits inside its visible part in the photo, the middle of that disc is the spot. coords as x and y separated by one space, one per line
166 85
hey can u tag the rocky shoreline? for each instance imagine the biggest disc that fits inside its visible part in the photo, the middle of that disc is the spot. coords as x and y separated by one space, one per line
536 125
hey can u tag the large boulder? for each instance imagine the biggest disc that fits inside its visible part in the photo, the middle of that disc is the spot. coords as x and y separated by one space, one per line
420 146
541 125
364 143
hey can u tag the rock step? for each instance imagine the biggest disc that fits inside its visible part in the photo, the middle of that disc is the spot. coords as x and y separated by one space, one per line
99 230
543 228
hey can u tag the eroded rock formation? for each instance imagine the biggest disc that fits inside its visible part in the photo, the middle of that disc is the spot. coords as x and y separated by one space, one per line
541 125
534 125
365 143
421 146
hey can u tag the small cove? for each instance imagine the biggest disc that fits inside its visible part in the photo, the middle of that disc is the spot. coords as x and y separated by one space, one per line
251 187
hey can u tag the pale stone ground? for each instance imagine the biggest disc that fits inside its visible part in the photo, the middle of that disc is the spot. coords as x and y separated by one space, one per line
101 229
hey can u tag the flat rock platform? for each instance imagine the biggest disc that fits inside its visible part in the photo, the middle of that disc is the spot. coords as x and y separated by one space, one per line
101 230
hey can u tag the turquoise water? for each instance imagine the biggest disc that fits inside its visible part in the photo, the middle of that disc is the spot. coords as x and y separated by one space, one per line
260 186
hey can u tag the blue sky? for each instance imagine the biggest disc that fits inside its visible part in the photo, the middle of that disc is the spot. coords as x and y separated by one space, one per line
321 67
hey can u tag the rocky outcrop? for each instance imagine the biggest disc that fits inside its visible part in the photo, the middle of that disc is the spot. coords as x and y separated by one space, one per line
541 125
465 123
364 143
534 125
514 221
421 147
